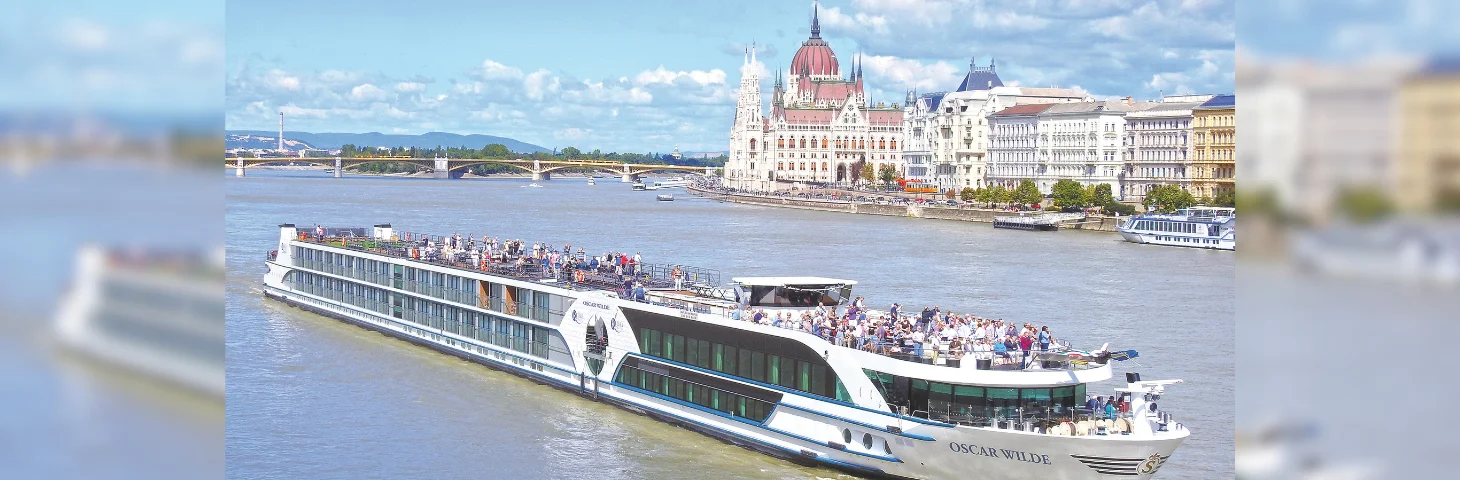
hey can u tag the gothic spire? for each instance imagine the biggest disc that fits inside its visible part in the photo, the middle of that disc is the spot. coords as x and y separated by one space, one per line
815 21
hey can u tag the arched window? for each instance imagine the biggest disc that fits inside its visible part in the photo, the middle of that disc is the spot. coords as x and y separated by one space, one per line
861 144
894 144
823 166
752 144
780 142
803 142
780 165
803 166
823 142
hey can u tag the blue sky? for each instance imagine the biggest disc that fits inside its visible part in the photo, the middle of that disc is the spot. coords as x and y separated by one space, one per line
651 75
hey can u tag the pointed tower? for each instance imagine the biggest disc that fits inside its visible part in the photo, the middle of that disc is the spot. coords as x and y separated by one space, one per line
815 21
745 136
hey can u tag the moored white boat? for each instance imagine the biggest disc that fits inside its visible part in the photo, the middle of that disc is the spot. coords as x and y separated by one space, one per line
679 357
1198 227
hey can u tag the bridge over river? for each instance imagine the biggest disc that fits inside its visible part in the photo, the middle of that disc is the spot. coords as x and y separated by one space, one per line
455 167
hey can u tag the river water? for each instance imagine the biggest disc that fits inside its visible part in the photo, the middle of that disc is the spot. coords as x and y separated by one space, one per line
310 397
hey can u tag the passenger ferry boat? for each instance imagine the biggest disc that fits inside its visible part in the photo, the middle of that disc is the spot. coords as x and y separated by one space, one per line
1200 227
156 313
680 358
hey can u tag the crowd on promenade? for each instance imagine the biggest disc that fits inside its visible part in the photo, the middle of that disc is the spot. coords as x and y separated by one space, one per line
930 336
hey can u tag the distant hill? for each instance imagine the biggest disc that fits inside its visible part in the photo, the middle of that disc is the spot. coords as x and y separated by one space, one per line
239 140
330 141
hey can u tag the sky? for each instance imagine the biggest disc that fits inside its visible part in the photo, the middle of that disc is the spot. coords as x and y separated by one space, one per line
136 57
656 74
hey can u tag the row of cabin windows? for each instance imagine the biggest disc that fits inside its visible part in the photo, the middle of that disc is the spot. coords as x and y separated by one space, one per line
974 404
120 294
790 373
503 332
709 397
1178 227
533 305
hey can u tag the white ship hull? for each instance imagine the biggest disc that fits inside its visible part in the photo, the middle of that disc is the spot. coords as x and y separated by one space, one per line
1178 240
924 450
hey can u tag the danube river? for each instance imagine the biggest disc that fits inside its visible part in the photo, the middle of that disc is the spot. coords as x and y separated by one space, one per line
310 397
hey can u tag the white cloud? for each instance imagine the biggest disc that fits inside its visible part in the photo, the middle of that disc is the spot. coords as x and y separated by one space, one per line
539 84
660 75
84 35
405 87
280 80
491 70
573 133
367 92
901 73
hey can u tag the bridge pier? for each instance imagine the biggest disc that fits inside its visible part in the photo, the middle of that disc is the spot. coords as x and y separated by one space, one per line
442 170
627 178
539 174
339 171
238 167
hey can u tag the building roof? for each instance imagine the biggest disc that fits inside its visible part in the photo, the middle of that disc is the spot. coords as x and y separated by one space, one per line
816 116
1167 108
884 117
815 56
1072 107
980 78
934 99
1026 109
1220 101
834 91
1442 65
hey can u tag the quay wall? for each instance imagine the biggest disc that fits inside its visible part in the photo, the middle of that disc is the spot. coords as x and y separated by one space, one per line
1098 223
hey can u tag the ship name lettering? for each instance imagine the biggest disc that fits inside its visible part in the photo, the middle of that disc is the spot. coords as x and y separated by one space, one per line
1007 454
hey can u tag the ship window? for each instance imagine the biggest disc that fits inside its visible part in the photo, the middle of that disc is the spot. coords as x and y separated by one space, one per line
757 366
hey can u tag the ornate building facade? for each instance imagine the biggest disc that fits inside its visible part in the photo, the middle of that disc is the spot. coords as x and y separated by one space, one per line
1158 147
948 133
1214 143
821 127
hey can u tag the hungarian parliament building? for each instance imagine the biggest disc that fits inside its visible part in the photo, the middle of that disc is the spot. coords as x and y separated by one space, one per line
823 129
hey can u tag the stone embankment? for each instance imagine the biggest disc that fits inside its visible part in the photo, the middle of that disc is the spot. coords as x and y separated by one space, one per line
1098 223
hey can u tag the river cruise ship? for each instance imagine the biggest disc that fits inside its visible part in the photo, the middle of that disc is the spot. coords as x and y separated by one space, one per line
155 313
676 354
1198 227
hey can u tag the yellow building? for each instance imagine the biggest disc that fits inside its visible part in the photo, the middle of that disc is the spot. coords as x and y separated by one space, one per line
1214 146
1427 168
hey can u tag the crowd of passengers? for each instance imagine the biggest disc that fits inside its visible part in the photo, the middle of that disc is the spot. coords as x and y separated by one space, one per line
540 259
926 337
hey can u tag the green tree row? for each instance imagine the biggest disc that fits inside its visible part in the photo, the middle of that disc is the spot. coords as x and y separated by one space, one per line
497 150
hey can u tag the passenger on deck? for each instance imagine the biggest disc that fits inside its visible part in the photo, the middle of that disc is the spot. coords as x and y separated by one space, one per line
678 277
639 294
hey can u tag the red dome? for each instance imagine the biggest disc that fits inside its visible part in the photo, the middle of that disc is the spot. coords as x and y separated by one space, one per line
815 55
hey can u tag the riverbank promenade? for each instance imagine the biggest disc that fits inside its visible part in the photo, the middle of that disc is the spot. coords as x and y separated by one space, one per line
938 210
